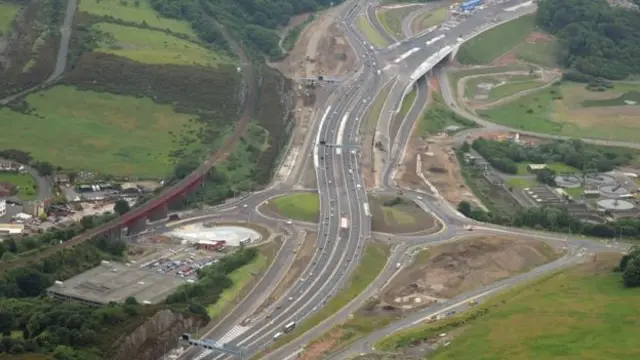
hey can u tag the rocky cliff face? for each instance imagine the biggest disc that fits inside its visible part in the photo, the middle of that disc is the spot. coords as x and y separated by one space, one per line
151 339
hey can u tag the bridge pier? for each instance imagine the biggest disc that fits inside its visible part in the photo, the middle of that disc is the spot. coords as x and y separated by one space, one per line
160 213
114 233
137 226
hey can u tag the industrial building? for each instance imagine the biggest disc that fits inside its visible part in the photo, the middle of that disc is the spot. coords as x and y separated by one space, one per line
115 282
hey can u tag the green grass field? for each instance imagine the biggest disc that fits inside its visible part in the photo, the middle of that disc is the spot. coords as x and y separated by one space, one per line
438 116
570 316
371 34
543 53
127 10
559 168
399 216
100 132
27 187
495 42
575 193
155 47
373 261
512 88
8 12
561 110
455 76
521 183
580 313
299 206
430 18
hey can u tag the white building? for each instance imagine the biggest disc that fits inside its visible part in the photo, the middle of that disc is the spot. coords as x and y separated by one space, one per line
3 208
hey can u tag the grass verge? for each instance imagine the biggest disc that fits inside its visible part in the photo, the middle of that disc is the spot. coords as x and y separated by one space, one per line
579 313
430 18
407 102
493 43
395 215
391 20
25 183
373 261
244 279
371 33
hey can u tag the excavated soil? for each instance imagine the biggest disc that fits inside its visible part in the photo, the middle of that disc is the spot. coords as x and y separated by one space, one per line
455 268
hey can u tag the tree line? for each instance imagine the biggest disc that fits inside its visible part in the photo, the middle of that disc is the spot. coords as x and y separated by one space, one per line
597 40
504 156
629 267
254 21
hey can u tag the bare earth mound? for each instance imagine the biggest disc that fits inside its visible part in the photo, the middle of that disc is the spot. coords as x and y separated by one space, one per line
455 268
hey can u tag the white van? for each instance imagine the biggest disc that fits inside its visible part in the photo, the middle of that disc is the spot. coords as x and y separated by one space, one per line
277 336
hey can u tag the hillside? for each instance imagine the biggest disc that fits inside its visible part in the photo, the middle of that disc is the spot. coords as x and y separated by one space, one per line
143 95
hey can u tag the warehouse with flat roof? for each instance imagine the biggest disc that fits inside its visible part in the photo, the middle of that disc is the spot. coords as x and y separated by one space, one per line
115 282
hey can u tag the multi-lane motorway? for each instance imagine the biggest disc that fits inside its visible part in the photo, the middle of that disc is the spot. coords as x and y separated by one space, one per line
344 223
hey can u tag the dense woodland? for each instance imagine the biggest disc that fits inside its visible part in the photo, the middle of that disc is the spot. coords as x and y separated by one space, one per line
598 40
504 155
254 21
32 322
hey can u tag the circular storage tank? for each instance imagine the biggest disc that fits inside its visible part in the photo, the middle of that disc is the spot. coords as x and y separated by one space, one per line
600 179
568 181
615 204
613 191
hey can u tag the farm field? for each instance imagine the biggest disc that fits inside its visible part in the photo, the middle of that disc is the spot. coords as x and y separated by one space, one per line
580 313
8 12
100 132
155 47
570 109
430 18
128 11
26 184
371 33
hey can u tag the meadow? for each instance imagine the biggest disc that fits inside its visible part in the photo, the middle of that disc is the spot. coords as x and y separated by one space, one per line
299 206
582 313
8 12
135 11
154 47
92 131
570 109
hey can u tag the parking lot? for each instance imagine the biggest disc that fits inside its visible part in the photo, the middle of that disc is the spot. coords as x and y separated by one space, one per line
183 263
